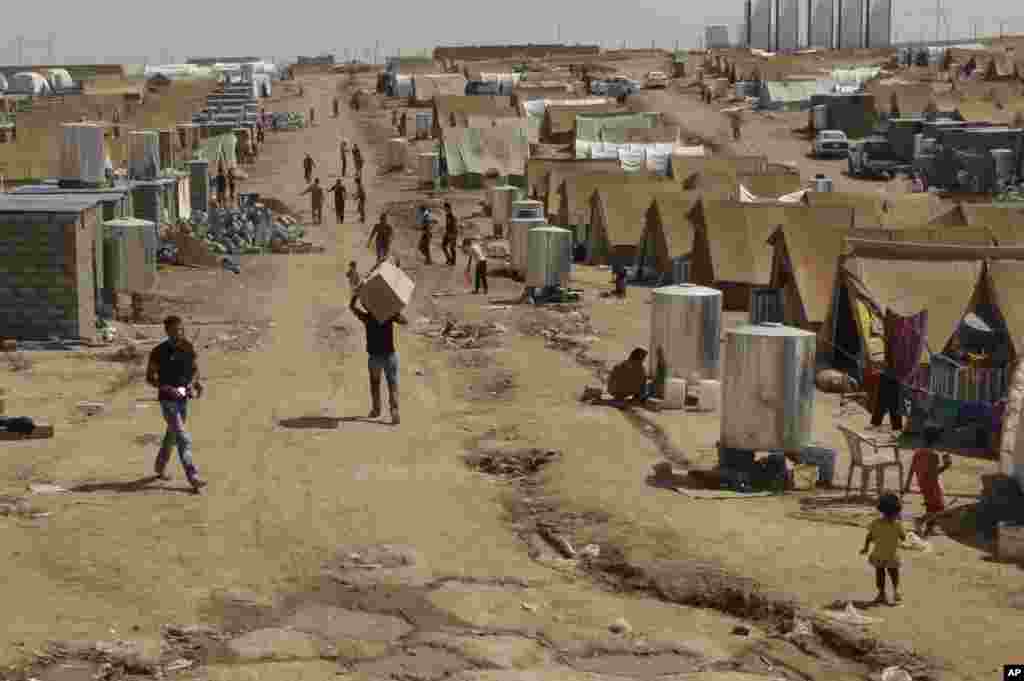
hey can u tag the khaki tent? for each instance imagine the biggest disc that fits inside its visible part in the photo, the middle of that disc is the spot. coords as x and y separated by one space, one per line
1006 278
559 125
663 134
915 282
561 172
771 185
807 250
1005 222
471 153
619 217
451 111
670 231
528 91
868 209
964 236
912 98
538 171
914 210
572 202
429 85
715 169
595 126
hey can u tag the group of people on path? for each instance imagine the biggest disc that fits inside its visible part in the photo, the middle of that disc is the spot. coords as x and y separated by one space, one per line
338 190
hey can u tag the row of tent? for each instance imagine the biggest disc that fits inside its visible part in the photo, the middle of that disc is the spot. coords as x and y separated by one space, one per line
37 84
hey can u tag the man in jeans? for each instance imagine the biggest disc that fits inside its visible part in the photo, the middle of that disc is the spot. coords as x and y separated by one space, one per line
476 263
380 346
174 373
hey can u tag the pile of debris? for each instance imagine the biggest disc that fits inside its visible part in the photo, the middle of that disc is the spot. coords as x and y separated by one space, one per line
462 336
287 120
236 232
563 328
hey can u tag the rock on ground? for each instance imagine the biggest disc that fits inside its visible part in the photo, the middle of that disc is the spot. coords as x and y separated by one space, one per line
502 652
333 623
276 644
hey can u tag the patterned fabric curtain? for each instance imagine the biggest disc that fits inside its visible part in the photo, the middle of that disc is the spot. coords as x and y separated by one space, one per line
904 341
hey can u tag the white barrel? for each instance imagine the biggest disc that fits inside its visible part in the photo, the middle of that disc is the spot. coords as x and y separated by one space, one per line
822 183
501 204
768 388
144 155
686 328
549 257
83 155
428 167
526 215
820 117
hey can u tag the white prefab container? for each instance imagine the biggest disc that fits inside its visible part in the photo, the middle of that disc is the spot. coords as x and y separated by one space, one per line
83 157
549 257
526 215
820 117
501 205
144 155
768 388
686 329
398 149
429 168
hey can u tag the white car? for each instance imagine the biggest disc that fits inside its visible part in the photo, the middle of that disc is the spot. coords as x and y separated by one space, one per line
656 79
831 143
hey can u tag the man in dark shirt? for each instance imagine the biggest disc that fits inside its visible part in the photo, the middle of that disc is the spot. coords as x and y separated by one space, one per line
340 196
380 346
382 233
361 199
174 373
451 234
307 167
221 185
316 195
357 159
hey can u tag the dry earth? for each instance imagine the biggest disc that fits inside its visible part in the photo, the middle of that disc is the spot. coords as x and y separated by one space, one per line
364 551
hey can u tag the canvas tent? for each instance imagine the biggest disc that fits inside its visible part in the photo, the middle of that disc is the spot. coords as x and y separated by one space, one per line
426 86
867 208
669 232
559 124
594 127
714 169
454 110
789 95
561 172
471 153
539 172
619 218
29 82
571 204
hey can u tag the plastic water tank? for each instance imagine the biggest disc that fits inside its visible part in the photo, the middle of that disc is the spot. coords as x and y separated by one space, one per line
822 183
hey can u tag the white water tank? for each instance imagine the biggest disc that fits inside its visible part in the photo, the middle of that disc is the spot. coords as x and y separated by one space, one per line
822 183
1004 164
525 216
820 117
549 257
768 388
83 155
686 328
144 155
429 168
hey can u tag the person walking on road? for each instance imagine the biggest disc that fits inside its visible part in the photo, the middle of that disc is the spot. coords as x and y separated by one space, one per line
427 224
357 159
316 195
383 357
451 234
174 372
221 183
231 185
361 199
382 233
307 167
477 258
340 196
344 157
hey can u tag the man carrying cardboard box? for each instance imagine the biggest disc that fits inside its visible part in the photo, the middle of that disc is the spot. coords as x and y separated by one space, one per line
383 357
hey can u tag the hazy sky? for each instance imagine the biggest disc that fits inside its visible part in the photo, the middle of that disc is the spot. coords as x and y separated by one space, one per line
117 29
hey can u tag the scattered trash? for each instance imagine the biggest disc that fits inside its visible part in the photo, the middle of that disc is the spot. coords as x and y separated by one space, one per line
896 674
620 626
590 551
559 543
46 488
530 607
741 631
849 615
178 665
91 408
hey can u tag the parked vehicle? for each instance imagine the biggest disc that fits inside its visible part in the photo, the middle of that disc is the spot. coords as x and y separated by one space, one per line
830 143
655 79
614 87
874 157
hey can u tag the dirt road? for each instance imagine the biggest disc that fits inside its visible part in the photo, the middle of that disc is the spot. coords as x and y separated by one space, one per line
379 551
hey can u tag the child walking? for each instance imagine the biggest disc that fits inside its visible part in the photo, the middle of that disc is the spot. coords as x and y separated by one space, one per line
886 533
928 470
355 280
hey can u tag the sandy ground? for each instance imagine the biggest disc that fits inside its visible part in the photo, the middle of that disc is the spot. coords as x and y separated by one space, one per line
270 546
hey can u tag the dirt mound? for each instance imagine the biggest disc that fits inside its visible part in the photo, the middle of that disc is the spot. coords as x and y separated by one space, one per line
510 462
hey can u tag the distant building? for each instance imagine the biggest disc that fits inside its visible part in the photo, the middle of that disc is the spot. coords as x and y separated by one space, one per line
716 36
322 60
761 25
787 33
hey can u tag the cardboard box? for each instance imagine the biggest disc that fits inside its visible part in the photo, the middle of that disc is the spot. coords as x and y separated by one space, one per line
386 291
1010 543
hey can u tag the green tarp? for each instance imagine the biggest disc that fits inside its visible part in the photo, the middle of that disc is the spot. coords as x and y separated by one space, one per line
471 153
610 127
221 147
